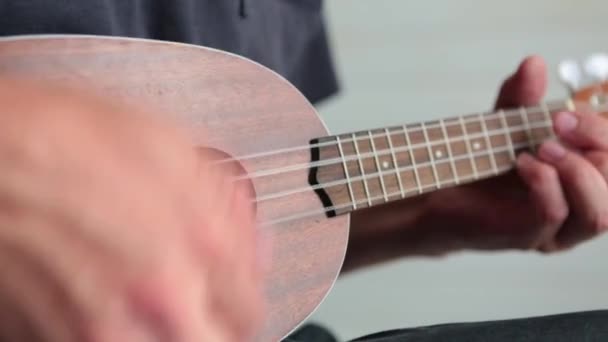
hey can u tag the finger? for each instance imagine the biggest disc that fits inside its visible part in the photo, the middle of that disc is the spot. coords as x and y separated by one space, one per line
526 86
582 130
548 197
173 305
600 161
230 233
585 189
248 297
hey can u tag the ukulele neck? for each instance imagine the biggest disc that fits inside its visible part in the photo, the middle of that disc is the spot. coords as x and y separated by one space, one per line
368 168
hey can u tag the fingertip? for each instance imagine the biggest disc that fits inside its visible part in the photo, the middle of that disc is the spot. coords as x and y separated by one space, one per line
581 130
526 86
565 123
524 161
532 80
552 152
533 64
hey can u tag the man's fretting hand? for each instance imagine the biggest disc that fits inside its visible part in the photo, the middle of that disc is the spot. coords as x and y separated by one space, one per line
112 228
557 198
552 201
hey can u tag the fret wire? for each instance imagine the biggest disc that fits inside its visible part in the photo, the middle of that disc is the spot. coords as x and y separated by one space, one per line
547 116
420 189
348 182
524 117
412 159
276 195
467 140
563 105
361 168
508 135
449 147
488 142
465 179
373 144
295 167
431 157
395 165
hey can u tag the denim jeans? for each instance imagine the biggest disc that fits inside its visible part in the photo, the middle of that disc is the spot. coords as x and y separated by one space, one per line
590 326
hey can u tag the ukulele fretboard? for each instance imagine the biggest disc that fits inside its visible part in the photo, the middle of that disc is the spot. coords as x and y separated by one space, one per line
367 168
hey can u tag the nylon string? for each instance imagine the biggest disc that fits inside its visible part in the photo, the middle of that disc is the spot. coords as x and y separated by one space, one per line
473 119
304 166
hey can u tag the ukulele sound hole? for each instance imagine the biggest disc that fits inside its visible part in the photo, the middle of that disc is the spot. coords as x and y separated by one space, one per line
229 166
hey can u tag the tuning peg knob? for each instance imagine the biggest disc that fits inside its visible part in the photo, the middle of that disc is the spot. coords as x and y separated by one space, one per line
571 74
596 66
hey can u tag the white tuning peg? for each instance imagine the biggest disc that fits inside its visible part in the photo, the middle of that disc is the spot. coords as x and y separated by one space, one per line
570 74
596 66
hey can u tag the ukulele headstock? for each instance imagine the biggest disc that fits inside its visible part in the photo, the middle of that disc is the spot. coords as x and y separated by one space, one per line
587 82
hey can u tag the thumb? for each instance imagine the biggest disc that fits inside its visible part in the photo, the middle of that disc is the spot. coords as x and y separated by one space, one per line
526 86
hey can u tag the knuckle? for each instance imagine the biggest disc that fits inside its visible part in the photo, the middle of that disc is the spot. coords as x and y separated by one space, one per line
153 294
157 303
556 215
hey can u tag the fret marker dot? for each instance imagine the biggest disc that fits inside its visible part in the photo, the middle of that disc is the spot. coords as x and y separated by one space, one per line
476 145
385 165
438 154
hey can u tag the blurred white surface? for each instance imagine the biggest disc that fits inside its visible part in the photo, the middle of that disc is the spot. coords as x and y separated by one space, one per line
403 61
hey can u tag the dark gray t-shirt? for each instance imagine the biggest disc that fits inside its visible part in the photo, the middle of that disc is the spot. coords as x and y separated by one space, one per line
288 36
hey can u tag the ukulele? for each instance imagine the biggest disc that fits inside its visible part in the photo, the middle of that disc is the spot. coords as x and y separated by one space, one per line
305 181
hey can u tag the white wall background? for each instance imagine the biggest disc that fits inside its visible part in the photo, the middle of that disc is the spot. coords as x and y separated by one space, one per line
404 61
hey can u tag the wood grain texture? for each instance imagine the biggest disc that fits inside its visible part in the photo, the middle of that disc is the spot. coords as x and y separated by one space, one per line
227 103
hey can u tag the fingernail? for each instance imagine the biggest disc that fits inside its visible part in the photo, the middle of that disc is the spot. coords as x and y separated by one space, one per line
551 151
565 122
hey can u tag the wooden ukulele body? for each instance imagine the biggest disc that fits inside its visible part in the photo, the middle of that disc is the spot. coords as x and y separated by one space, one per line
228 103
